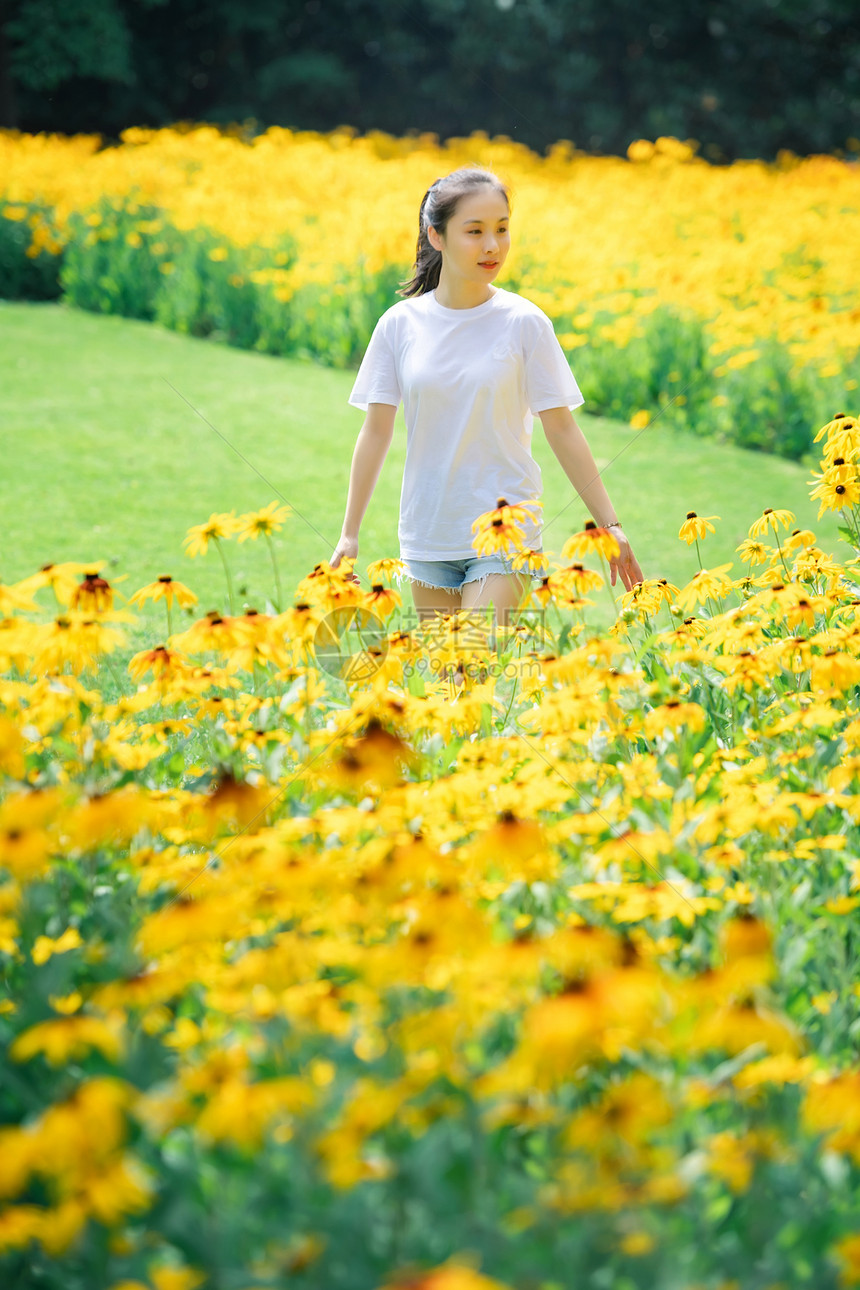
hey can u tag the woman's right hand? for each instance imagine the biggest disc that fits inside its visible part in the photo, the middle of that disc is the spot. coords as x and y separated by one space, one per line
347 548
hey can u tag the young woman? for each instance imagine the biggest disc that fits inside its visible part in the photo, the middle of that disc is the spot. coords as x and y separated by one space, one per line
472 363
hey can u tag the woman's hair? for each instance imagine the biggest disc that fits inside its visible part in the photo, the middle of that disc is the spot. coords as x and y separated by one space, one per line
440 202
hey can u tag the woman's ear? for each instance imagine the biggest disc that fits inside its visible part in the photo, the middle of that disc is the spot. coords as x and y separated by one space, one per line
433 238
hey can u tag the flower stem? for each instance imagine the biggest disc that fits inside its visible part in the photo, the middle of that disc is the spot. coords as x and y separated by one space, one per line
781 556
227 576
855 528
278 590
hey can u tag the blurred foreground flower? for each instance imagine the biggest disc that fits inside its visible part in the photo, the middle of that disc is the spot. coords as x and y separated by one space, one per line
502 529
167 589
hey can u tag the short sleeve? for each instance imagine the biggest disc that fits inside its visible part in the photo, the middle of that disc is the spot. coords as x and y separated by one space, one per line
377 381
549 380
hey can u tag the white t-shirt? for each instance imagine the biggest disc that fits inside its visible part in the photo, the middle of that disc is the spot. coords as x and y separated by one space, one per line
471 381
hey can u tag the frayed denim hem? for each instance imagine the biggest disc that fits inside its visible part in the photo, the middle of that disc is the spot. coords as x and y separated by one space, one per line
432 586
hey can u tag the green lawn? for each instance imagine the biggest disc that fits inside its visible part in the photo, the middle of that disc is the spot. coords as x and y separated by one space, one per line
119 435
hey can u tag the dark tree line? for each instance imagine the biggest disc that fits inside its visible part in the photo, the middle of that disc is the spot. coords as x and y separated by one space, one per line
744 77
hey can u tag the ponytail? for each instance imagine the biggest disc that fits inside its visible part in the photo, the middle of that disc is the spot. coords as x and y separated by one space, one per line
437 207
428 261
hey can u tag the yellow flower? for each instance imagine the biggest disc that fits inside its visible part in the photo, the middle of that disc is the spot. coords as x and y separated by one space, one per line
574 579
59 577
502 529
756 552
451 1276
382 599
93 594
531 561
799 539
164 588
219 525
591 538
46 946
840 425
770 519
11 749
165 664
14 598
705 583
641 150
384 568
265 521
636 1243
848 1251
837 493
170 1278
64 1038
696 526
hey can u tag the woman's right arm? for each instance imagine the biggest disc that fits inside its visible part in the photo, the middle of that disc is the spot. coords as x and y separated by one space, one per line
371 447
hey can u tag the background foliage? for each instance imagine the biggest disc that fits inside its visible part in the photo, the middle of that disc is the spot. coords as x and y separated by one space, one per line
745 77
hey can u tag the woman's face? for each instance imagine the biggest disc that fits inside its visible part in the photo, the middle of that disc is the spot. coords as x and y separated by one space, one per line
476 242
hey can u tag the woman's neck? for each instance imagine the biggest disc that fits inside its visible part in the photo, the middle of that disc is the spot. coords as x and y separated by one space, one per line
463 295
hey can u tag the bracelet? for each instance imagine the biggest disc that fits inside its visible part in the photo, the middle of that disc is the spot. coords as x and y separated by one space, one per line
613 525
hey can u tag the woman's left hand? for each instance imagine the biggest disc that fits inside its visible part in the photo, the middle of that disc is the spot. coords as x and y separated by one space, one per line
624 563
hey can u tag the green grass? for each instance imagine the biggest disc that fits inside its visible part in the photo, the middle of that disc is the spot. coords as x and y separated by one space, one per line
119 435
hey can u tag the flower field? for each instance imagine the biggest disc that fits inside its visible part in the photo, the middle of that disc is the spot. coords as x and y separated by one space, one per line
724 299
339 951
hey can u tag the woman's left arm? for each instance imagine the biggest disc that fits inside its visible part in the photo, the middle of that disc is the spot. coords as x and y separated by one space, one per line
570 447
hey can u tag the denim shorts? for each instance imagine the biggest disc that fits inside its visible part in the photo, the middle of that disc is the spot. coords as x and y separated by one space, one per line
454 574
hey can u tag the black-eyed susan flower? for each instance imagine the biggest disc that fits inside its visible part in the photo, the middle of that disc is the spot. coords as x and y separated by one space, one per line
666 590
73 640
61 578
65 1038
382 600
835 493
648 596
696 526
165 664
214 632
770 519
93 594
502 529
531 561
164 588
799 539
387 567
756 552
673 715
167 589
216 529
264 523
297 626
591 539
575 579
543 592
219 526
704 584
329 588
261 523
842 427
13 599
